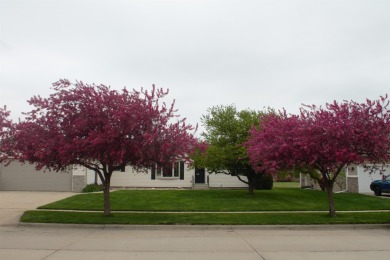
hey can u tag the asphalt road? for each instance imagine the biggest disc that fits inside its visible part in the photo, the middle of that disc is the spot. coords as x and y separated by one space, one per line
187 242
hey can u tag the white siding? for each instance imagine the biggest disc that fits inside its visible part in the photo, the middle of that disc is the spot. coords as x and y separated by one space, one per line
132 178
226 181
24 177
79 170
91 177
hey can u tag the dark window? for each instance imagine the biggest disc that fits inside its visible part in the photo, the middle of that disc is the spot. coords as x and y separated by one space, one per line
122 169
153 173
167 171
176 170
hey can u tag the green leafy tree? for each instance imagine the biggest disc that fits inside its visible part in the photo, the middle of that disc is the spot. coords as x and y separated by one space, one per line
226 129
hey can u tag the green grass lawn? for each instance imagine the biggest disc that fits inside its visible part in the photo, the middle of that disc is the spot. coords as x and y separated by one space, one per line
290 184
214 204
278 199
204 218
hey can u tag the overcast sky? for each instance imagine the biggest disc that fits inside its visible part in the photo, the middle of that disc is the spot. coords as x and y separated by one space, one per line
253 54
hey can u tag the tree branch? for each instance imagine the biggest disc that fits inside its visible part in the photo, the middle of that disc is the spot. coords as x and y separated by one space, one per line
93 168
238 176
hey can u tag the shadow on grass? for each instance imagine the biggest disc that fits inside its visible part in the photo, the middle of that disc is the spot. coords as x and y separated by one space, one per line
205 218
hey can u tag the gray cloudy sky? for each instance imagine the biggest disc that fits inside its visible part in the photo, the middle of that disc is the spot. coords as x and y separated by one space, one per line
250 53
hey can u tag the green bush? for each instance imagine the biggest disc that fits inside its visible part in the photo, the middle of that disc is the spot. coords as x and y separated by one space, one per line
92 188
264 182
287 176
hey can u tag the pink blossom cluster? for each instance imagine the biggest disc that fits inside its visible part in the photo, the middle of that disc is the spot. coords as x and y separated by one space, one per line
99 128
324 139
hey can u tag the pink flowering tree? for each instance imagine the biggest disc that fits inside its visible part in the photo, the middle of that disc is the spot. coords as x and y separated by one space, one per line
322 141
101 129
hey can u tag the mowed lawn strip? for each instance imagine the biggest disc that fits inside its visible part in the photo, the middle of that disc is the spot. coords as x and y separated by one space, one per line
278 199
204 219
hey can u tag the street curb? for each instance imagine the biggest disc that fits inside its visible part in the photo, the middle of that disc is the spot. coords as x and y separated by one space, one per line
207 227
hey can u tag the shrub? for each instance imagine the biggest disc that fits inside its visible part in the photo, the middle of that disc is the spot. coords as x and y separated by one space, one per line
287 176
264 182
92 188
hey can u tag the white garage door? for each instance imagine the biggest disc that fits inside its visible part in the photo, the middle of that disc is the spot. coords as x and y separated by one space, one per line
365 178
25 177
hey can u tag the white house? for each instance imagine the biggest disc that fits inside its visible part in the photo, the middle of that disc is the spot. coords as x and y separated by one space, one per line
25 177
181 175
356 179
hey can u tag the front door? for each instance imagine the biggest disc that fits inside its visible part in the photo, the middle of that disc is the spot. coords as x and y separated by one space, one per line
199 175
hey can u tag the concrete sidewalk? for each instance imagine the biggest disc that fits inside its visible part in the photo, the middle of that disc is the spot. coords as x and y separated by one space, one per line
14 203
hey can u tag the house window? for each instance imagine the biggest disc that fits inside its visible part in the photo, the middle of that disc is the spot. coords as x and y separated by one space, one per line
176 170
167 171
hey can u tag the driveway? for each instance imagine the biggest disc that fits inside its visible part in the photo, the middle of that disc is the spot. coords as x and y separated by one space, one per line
14 203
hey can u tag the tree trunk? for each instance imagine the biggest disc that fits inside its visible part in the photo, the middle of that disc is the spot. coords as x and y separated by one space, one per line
251 189
251 184
107 204
329 190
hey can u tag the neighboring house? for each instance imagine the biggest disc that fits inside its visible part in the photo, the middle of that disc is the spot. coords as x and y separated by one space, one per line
24 177
356 179
308 183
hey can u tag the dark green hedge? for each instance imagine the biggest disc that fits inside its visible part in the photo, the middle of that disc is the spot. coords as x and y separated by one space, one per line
264 181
